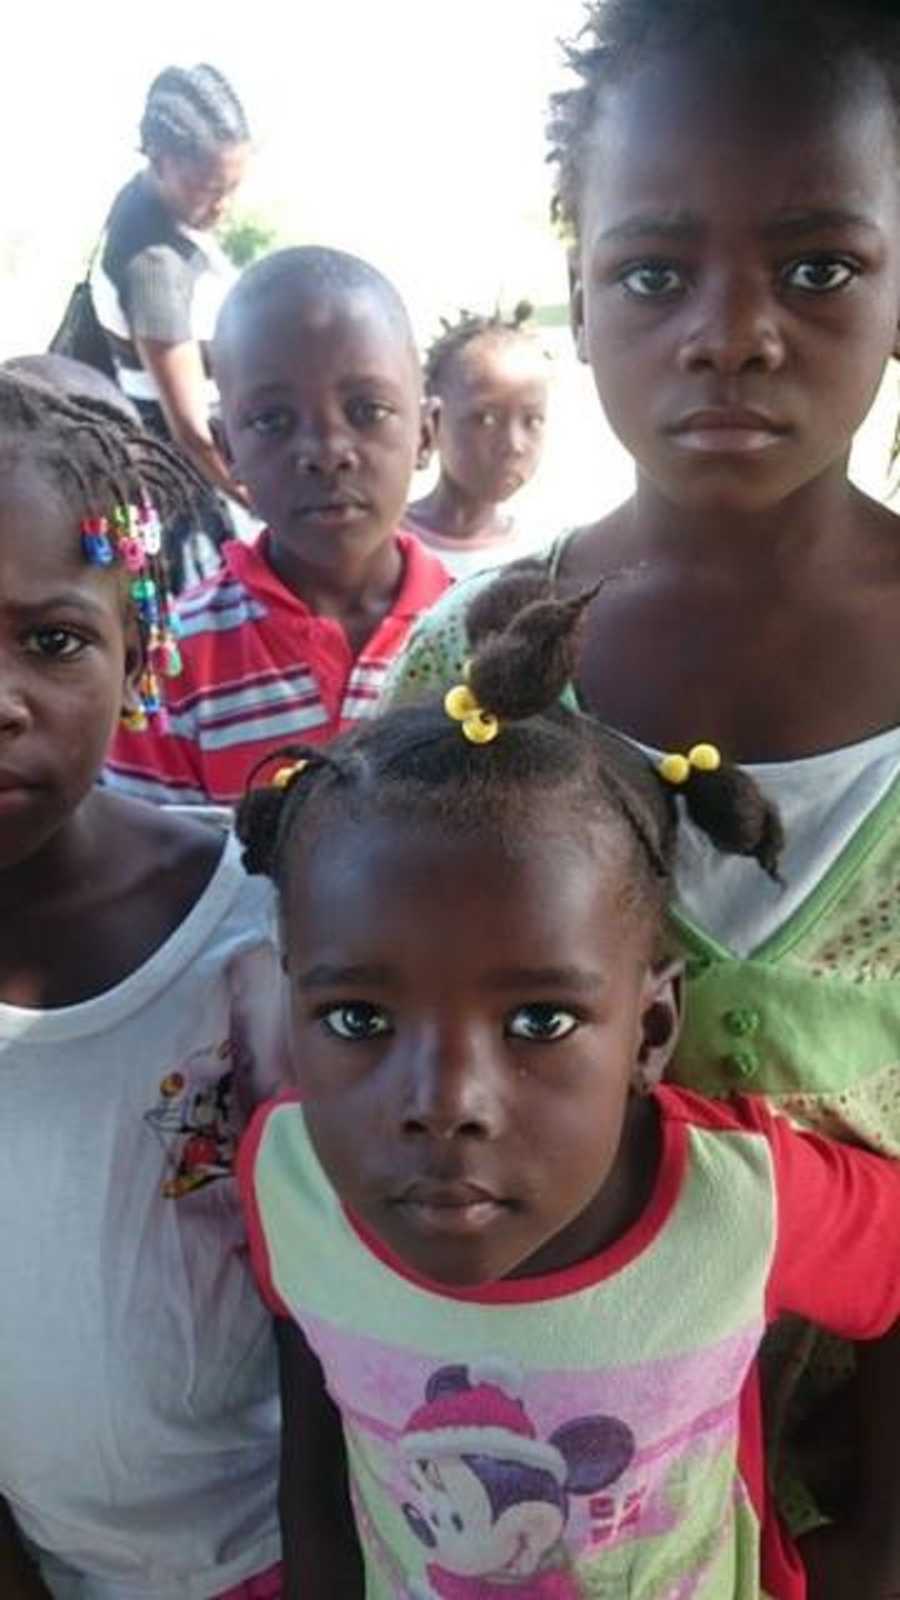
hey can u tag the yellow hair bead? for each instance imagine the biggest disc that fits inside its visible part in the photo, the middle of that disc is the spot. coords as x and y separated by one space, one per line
460 703
675 769
704 758
480 727
286 775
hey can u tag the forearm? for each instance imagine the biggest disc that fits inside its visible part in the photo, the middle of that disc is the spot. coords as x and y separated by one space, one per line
878 1506
320 1548
19 1577
858 1556
200 448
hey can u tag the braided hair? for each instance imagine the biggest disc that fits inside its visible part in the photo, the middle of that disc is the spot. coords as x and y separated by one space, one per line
416 762
617 35
191 112
470 325
106 465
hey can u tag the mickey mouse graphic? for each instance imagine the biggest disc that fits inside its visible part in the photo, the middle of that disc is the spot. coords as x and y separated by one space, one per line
490 1500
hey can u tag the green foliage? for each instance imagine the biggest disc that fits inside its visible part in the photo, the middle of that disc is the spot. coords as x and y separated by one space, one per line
244 238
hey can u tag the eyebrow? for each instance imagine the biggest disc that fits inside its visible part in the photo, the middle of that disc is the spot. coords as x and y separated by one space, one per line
325 976
577 980
687 224
63 600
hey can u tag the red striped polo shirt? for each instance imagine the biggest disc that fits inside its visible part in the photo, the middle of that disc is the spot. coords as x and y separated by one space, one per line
261 670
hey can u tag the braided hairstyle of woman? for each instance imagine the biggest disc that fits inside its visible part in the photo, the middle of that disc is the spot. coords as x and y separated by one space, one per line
190 113
415 763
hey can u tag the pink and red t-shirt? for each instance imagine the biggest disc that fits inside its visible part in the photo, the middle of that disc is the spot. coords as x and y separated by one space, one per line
592 1431
261 670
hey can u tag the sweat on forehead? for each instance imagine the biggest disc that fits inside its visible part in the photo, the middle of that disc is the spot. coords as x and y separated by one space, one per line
276 286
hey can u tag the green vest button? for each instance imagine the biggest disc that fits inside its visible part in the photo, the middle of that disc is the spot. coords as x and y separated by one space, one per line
741 1022
742 1063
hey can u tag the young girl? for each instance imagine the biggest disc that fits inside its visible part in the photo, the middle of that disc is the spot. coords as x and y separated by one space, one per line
727 176
533 1284
487 378
138 1408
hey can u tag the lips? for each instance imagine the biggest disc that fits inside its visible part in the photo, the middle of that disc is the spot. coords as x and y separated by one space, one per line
457 1207
727 429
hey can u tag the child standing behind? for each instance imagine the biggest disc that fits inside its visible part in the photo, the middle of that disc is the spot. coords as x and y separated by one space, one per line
487 378
322 410
138 984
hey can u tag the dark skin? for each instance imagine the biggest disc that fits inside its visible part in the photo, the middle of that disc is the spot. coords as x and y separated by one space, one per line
72 855
427 1062
726 263
322 407
72 858
489 430
19 1578
729 261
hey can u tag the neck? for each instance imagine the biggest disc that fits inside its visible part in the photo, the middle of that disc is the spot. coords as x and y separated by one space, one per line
452 511
821 517
71 857
352 580
617 1206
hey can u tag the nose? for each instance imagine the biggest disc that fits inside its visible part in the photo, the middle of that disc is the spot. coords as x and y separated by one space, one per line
516 439
733 327
326 451
452 1090
14 713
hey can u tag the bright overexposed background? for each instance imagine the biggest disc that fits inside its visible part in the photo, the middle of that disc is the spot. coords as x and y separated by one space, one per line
408 131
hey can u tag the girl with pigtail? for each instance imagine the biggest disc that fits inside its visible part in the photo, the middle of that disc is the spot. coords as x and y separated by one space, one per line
519 1286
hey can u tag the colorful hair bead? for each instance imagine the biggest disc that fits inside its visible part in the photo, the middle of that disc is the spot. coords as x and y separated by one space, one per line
477 725
96 544
676 769
285 776
133 554
151 529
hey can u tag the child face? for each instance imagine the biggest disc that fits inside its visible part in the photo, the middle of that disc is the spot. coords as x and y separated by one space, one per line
321 405
737 278
467 1028
490 428
65 671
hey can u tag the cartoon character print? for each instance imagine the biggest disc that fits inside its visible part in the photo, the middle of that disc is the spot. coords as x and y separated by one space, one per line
196 1126
489 1499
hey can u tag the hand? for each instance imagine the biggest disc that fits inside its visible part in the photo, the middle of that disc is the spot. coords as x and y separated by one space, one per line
841 1565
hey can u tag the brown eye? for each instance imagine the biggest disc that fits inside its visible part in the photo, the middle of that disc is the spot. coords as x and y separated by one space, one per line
55 644
357 1020
819 275
541 1024
652 280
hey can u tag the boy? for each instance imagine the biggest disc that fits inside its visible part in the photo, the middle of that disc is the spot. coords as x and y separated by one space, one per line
322 411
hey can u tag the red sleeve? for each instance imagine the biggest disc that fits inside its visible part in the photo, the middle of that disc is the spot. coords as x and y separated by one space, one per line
248 1154
837 1255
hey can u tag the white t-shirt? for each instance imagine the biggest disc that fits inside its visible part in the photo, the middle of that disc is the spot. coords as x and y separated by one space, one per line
138 1411
463 557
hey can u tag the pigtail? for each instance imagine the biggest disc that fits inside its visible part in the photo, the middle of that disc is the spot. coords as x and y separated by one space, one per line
263 814
731 809
522 671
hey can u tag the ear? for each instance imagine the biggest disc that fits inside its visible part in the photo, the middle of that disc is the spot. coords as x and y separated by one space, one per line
428 428
576 304
134 665
661 1015
220 437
